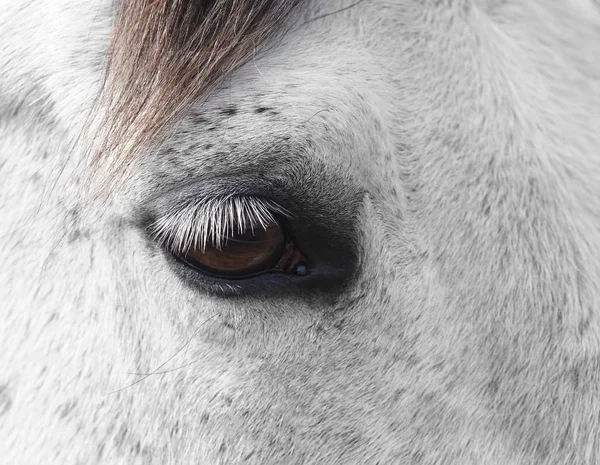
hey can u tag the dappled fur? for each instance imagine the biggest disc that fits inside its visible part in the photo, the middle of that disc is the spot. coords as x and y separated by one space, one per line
469 333
166 54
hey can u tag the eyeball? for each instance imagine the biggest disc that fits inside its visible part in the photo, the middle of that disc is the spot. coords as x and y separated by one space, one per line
247 253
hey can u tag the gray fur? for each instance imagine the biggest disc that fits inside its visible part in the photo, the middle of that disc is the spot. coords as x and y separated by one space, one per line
470 333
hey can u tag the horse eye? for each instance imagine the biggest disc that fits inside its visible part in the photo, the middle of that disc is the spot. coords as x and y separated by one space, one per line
248 253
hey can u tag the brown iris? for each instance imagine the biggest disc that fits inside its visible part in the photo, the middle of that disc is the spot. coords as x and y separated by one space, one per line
248 253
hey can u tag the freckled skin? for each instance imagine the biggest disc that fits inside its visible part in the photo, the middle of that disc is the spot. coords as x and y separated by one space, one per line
455 142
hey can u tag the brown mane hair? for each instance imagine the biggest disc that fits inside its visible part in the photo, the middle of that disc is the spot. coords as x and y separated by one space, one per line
165 55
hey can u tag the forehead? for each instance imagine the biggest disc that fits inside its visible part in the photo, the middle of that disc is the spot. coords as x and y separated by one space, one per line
321 95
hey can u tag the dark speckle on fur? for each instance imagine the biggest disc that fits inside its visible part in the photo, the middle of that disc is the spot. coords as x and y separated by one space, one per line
6 401
74 235
100 451
64 410
262 109
120 436
229 111
198 120
493 386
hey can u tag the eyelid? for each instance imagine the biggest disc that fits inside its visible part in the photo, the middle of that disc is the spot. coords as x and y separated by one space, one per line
198 223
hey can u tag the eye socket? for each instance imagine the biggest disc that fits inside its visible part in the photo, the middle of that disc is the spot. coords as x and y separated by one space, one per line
247 253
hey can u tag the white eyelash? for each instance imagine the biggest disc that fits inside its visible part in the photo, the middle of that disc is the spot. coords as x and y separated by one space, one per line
213 221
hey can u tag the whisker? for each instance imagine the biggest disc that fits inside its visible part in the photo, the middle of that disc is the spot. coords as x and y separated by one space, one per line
155 371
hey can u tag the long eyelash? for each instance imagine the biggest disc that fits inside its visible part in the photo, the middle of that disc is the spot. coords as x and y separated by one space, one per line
197 225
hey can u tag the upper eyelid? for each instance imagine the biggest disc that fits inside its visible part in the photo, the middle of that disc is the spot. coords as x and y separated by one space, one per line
199 222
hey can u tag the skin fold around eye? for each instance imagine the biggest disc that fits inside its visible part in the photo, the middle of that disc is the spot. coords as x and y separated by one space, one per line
247 236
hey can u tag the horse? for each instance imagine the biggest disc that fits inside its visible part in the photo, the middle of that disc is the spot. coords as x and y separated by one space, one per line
300 232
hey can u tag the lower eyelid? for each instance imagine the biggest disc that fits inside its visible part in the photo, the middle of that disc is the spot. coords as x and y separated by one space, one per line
323 280
264 283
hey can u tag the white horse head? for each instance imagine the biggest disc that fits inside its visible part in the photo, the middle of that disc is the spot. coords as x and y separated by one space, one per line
277 232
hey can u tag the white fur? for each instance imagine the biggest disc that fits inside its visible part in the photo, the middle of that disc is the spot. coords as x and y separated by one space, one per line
471 334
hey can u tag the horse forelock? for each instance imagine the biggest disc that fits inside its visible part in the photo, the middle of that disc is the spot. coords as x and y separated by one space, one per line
164 56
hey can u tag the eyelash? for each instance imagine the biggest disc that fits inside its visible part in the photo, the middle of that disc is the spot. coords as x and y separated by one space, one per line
209 223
